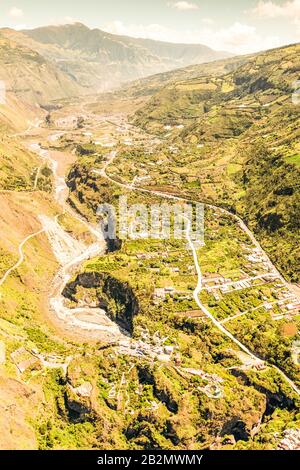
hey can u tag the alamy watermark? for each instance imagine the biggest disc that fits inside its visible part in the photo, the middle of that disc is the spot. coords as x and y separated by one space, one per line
2 92
178 221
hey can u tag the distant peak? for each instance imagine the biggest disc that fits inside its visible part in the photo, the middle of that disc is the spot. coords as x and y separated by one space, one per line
77 24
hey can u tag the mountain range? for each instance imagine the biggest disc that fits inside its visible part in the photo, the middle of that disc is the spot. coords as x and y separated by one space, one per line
95 61
225 133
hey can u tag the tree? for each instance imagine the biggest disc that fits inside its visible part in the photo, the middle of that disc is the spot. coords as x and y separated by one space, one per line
48 120
80 122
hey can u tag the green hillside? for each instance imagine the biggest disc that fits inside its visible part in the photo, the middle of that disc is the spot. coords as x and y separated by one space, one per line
165 343
237 135
101 61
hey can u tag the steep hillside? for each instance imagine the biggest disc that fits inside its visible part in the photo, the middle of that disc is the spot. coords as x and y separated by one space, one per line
242 129
271 205
99 60
30 77
16 115
17 167
203 97
155 83
229 133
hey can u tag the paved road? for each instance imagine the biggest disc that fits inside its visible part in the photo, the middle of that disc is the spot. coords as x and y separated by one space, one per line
198 288
240 221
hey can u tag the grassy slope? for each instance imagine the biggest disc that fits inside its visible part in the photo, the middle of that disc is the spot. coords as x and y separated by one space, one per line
107 422
30 77
23 296
249 128
187 418
17 167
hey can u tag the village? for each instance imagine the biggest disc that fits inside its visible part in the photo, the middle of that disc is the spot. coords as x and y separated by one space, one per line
283 304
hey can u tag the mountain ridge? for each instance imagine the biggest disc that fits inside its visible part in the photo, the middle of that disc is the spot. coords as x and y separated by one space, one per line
99 61
244 128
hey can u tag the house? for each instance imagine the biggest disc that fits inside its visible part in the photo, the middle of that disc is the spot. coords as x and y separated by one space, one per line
175 270
291 307
159 293
168 350
268 306
225 288
169 290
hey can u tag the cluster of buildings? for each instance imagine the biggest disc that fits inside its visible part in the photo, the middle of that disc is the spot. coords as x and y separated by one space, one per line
287 303
256 256
152 346
162 293
226 285
68 122
295 353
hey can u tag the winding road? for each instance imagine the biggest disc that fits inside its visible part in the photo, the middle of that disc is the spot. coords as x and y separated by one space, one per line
21 255
65 273
198 288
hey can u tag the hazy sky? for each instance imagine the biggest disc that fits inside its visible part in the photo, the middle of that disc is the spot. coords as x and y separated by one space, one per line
235 25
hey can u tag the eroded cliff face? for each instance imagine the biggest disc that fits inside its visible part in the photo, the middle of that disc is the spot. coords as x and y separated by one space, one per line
274 400
115 296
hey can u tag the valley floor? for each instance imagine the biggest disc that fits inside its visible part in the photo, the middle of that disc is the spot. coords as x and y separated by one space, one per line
153 328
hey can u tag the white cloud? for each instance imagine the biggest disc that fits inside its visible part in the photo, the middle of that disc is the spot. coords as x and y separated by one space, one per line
64 20
296 22
184 6
238 38
151 31
19 27
207 21
269 9
70 20
16 12
290 10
